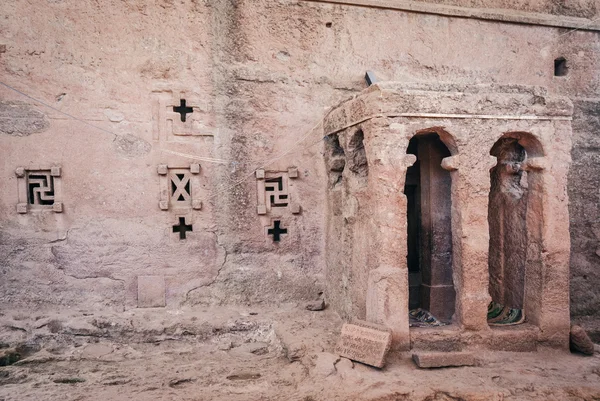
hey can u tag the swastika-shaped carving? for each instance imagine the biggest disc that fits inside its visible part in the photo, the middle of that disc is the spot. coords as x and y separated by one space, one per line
274 191
277 192
40 188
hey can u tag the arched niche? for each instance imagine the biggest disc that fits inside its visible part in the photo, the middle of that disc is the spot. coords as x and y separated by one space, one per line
515 224
429 224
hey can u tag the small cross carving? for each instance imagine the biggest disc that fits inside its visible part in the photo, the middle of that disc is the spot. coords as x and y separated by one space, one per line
183 109
182 228
276 231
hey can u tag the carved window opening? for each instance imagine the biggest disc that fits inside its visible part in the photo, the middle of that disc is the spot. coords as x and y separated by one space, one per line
429 239
180 187
40 188
183 109
182 228
182 116
560 67
276 193
276 231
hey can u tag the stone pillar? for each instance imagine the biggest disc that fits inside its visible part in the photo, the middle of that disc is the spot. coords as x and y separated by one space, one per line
470 239
547 276
437 289
387 295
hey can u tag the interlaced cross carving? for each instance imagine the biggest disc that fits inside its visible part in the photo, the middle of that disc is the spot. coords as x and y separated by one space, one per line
180 187
276 231
183 109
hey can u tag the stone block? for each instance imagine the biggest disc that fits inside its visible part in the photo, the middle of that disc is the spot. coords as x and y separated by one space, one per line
195 168
519 338
260 174
22 208
162 169
261 209
196 204
55 171
580 341
293 172
387 302
295 208
164 205
151 292
443 359
365 342
20 172
57 207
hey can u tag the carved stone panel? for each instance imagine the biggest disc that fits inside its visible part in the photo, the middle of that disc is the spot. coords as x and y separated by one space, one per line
276 192
179 116
180 187
39 189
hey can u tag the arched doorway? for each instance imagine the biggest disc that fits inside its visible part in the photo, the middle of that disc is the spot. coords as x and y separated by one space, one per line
429 259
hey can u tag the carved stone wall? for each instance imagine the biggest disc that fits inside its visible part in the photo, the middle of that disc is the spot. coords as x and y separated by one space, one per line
367 224
256 77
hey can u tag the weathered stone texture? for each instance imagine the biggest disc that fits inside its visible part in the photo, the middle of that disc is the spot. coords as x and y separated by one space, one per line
17 118
260 74
584 193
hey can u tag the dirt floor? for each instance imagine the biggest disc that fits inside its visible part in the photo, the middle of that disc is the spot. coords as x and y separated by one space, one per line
282 353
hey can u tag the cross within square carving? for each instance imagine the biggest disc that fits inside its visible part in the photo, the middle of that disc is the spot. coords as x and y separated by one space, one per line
275 191
183 109
180 187
39 189
180 115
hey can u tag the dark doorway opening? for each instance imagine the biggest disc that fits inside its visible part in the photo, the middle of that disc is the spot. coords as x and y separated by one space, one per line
428 192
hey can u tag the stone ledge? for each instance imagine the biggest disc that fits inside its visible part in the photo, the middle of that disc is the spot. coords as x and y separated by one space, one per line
489 14
448 101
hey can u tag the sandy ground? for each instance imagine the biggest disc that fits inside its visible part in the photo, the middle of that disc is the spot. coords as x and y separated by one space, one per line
279 353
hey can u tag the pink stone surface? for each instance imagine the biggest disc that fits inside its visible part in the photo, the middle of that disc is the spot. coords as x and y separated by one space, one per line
151 292
258 82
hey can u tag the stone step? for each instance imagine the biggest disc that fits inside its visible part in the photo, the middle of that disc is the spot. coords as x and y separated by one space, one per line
427 360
